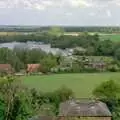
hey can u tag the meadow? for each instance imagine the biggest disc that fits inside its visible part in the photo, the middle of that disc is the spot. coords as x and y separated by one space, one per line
113 37
9 33
82 84
103 36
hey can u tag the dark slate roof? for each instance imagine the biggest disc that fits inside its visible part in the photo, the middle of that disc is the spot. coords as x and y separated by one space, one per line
42 118
84 108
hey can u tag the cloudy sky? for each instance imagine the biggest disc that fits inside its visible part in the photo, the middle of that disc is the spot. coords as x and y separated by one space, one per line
60 12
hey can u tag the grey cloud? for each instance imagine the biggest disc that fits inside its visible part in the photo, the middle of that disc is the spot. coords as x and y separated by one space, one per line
61 12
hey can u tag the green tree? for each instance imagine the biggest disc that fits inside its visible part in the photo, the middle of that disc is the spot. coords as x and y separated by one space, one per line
48 62
17 102
7 56
2 109
109 92
117 53
56 31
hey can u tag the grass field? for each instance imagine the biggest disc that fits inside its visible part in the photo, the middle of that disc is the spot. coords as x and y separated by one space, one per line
81 84
9 33
113 37
103 36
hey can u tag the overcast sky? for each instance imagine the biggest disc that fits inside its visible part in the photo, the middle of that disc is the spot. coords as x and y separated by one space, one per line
60 12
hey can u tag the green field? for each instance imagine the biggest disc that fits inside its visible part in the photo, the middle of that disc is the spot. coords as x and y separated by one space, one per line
81 84
113 37
103 36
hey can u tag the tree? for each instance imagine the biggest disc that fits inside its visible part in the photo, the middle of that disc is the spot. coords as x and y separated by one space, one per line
7 56
58 96
117 54
90 51
104 48
2 109
109 92
48 62
17 102
55 31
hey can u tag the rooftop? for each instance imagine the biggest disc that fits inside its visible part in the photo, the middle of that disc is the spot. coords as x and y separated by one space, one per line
84 108
42 118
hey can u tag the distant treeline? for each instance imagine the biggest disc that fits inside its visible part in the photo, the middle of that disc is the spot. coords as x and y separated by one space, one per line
61 41
92 43
66 29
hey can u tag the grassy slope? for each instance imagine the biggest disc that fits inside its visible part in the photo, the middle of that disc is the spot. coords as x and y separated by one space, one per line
81 84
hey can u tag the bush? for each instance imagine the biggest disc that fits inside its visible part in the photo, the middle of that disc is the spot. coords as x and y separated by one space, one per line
2 109
113 68
109 92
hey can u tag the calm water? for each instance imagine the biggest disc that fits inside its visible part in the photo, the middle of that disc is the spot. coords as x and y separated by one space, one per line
38 45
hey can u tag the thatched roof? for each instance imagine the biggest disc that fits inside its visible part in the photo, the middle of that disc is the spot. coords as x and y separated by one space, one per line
84 108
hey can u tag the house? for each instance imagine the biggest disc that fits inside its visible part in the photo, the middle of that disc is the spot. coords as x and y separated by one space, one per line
32 68
84 110
98 65
6 68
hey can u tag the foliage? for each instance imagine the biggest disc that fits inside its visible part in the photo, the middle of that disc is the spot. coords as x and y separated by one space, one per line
55 31
14 97
20 29
20 103
86 44
117 53
109 92
2 109
113 68
8 56
92 43
19 58
48 62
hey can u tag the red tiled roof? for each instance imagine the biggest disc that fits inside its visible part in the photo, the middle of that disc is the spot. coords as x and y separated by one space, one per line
5 67
33 67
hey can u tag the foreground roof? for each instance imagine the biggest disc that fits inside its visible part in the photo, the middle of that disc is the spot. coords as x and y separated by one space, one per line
42 118
84 108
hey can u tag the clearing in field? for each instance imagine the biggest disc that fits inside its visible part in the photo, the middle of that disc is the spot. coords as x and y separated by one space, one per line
81 84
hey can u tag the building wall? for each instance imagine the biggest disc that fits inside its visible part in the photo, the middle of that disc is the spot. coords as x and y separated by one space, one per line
84 118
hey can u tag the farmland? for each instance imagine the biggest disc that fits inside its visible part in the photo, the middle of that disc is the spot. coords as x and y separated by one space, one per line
82 84
113 37
9 33
103 36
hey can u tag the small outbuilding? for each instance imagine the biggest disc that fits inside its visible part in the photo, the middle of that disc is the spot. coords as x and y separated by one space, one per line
84 110
6 68
33 68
